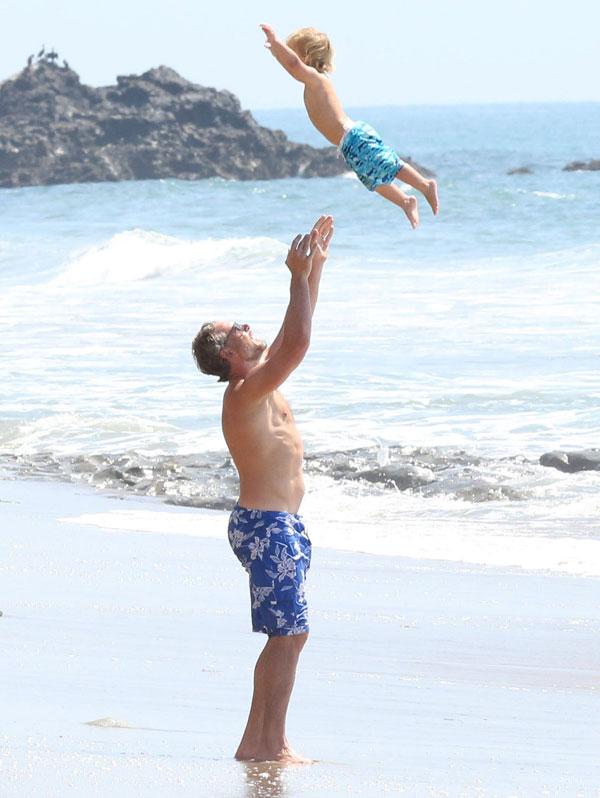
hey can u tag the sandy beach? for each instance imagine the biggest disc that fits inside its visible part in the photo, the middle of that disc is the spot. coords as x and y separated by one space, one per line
421 677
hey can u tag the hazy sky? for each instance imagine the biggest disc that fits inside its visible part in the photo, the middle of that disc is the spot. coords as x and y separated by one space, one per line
425 51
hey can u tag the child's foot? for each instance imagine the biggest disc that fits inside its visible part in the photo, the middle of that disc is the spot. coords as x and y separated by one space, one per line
431 195
411 209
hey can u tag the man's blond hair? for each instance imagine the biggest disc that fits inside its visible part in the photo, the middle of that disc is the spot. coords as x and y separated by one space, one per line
313 47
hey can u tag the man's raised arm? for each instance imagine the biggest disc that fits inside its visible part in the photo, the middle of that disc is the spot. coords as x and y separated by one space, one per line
271 372
323 228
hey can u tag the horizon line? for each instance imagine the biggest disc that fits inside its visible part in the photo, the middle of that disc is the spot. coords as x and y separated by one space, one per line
300 107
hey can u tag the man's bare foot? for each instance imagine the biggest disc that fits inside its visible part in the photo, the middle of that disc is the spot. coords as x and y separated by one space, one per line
285 756
411 209
431 195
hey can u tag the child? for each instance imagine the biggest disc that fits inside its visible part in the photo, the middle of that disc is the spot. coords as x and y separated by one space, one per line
307 56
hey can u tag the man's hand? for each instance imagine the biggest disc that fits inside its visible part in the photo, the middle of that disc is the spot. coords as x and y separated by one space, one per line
300 256
324 230
269 33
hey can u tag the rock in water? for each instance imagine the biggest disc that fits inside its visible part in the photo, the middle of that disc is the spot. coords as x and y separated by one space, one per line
582 166
586 460
54 129
520 170
401 475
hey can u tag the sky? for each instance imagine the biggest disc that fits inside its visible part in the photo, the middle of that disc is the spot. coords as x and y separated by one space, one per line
425 52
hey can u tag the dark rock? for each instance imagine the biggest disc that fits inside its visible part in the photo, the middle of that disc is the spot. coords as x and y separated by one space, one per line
583 166
401 475
522 170
585 460
54 129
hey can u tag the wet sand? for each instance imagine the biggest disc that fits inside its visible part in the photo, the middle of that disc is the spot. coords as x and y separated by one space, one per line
421 677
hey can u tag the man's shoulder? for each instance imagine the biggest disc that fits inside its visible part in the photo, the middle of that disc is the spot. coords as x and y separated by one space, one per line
235 397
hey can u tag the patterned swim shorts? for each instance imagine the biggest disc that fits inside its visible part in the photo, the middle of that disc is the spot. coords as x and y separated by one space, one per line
365 153
275 551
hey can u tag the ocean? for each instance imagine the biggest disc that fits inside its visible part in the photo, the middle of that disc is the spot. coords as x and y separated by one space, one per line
443 363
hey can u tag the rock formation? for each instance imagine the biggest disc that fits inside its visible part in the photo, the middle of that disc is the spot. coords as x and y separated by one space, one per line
585 460
54 129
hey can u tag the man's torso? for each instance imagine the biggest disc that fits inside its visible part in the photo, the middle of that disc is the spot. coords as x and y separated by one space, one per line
266 448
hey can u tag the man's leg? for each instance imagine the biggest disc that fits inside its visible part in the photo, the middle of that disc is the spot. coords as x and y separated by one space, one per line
264 737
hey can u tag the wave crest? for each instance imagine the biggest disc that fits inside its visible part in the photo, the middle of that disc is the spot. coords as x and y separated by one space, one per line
135 255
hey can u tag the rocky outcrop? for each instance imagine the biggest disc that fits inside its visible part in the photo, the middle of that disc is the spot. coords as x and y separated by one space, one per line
583 166
54 129
585 460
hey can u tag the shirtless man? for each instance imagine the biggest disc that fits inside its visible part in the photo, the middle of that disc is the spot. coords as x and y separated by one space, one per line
265 531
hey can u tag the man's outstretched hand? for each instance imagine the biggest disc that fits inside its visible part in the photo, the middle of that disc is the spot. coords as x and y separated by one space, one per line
310 250
323 228
300 256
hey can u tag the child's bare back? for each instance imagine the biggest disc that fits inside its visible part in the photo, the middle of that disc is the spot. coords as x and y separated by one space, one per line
307 55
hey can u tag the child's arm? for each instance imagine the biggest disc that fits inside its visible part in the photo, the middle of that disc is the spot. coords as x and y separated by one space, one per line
288 59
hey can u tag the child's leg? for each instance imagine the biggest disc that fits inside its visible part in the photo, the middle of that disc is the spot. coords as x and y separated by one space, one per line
427 187
394 194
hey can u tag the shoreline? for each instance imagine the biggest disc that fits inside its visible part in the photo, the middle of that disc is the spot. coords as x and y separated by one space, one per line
443 679
469 540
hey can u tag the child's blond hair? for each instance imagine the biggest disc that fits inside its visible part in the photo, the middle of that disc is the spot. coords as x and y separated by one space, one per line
313 47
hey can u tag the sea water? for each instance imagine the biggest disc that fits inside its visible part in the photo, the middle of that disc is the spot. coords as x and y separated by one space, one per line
443 361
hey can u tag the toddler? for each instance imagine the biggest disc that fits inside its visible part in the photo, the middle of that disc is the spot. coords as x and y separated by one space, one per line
307 55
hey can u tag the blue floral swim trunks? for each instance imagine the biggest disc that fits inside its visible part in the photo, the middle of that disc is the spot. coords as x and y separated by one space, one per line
275 550
374 163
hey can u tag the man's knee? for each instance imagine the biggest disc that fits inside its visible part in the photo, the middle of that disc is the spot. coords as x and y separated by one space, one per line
294 642
299 640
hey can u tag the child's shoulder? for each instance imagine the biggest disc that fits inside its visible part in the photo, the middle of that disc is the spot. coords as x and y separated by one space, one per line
314 77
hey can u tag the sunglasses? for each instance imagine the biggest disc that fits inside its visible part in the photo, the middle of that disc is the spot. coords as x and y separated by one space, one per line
235 327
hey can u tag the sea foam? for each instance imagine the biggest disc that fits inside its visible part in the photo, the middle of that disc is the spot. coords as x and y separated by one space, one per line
135 255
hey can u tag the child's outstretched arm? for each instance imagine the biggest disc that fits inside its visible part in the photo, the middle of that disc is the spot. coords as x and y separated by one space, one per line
288 59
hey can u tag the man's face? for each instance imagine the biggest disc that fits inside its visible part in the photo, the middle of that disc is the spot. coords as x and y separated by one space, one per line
239 338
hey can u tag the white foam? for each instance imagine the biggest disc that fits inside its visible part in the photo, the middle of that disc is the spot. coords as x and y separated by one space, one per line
135 255
553 195
453 540
69 434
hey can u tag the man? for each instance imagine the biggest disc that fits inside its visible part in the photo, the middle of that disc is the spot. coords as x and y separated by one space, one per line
265 530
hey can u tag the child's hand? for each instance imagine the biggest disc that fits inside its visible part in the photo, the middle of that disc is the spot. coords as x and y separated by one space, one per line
269 33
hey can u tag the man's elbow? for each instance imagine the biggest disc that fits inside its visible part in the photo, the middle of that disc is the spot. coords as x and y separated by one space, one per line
298 347
302 345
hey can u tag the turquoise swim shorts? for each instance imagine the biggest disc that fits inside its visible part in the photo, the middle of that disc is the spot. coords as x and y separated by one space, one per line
374 163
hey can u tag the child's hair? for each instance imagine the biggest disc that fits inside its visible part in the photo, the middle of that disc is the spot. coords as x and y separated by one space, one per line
313 47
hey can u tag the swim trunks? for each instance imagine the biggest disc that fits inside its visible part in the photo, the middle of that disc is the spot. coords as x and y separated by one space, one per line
365 153
275 550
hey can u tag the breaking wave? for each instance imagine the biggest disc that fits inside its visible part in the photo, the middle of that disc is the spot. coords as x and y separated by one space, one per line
135 255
